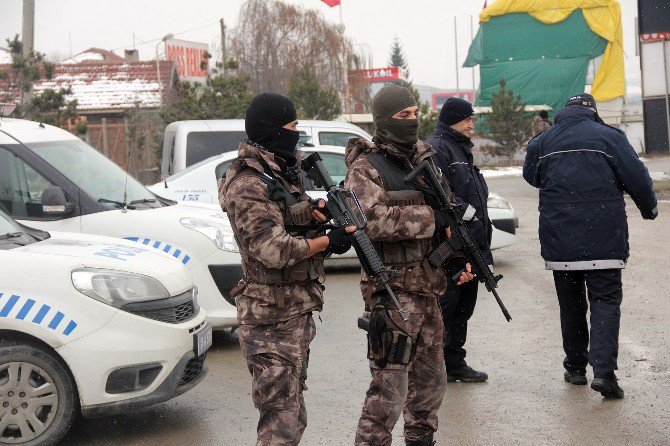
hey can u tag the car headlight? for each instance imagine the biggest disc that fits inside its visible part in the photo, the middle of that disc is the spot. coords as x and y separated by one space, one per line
498 202
220 234
117 288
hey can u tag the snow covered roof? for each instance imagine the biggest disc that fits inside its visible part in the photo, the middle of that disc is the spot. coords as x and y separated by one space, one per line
93 55
100 86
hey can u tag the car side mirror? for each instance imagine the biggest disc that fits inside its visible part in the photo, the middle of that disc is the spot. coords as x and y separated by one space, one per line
54 203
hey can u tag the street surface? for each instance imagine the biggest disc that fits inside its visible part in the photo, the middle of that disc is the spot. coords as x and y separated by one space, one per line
525 401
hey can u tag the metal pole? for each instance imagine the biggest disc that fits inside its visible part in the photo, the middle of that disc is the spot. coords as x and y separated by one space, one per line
458 87
223 46
665 43
28 30
472 38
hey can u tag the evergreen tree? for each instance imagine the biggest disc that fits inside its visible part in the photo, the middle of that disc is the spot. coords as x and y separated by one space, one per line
220 98
508 124
427 117
397 58
311 101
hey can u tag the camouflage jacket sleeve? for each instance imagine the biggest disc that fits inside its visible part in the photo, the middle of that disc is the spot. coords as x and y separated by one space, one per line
387 223
260 224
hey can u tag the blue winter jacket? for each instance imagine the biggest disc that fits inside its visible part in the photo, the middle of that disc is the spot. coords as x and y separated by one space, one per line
454 158
582 168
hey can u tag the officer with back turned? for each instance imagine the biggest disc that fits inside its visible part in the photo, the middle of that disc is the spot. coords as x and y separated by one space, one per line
582 167
282 249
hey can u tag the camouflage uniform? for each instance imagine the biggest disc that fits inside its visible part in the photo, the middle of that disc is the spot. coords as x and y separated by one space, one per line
278 292
399 223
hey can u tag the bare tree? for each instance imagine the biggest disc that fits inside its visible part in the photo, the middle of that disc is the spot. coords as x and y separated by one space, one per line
274 40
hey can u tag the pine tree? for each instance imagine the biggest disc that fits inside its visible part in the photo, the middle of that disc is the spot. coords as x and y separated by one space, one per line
311 101
397 58
508 124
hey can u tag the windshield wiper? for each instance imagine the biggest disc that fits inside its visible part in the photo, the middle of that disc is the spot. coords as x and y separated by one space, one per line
118 204
11 235
143 200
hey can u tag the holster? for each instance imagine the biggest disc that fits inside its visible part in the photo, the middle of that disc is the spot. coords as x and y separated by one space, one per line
396 346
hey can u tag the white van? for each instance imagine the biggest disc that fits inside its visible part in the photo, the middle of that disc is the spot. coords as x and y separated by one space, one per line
90 324
51 180
189 142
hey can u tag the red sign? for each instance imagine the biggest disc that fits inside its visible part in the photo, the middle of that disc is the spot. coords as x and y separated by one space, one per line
189 58
655 37
373 75
331 3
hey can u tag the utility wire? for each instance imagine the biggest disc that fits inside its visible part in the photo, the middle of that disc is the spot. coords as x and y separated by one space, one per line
160 38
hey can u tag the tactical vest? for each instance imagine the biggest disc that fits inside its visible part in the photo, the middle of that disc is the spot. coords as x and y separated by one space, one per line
296 215
400 194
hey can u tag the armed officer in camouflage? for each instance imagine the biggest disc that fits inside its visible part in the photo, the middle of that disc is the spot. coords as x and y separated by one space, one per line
404 228
277 230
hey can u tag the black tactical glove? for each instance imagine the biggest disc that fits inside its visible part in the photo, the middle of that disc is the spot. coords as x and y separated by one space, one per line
338 241
324 210
440 220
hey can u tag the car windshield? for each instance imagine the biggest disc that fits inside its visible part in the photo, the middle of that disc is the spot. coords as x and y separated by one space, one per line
7 225
93 173
192 168
14 235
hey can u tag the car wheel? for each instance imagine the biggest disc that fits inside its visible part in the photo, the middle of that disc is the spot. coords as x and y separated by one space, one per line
38 397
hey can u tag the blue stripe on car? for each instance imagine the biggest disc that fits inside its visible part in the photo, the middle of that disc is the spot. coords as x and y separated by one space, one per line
178 253
56 320
71 326
25 309
9 305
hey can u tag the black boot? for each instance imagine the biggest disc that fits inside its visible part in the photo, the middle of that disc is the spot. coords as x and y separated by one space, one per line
575 377
427 440
608 387
466 374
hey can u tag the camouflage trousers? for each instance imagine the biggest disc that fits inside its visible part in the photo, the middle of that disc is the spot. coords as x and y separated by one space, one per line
415 389
277 356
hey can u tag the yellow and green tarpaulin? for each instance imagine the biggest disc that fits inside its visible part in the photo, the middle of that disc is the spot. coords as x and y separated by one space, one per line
542 48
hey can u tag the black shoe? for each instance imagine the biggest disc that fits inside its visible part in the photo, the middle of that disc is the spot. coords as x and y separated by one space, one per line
425 441
608 387
466 374
577 378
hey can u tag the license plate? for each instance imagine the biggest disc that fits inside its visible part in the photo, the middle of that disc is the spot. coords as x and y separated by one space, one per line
202 340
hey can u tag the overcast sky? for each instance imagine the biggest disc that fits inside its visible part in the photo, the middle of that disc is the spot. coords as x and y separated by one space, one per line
425 28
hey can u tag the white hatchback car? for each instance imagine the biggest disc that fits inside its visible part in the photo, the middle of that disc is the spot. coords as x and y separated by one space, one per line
90 324
52 180
198 184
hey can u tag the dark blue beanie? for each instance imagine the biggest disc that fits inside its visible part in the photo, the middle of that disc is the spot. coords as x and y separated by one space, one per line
455 110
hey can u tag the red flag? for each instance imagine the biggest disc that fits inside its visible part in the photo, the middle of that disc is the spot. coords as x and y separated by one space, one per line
331 3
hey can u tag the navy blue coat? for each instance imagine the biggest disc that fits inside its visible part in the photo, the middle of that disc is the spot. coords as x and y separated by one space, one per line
582 168
454 158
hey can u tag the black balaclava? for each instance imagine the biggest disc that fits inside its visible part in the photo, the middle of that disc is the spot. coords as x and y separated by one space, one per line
264 123
402 133
455 110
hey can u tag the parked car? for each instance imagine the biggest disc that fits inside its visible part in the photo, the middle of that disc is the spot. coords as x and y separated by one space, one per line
90 324
51 180
198 183
189 142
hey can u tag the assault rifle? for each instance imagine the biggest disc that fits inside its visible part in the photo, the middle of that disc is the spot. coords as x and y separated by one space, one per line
460 240
344 216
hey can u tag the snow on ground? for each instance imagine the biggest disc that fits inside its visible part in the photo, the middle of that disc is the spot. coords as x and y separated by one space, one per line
502 172
659 176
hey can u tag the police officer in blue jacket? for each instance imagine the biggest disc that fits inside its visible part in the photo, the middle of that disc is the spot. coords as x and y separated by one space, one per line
582 167
451 140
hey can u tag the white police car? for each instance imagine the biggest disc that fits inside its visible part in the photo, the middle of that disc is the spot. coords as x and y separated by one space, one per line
92 324
50 179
